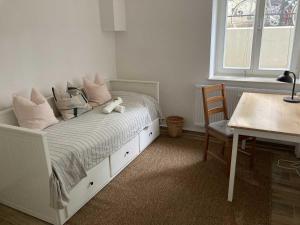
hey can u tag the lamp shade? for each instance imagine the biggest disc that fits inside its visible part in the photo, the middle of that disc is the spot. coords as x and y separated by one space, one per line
285 77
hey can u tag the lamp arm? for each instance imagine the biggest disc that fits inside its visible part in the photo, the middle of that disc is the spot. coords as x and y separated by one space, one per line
293 92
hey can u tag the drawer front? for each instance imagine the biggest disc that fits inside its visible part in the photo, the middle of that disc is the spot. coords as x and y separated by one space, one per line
96 178
148 135
123 156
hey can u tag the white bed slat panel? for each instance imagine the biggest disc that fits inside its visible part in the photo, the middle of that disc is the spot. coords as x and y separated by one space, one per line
144 87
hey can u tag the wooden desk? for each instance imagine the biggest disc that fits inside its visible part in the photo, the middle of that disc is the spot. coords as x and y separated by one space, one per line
264 116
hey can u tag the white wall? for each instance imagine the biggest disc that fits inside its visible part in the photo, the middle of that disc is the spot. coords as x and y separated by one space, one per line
44 42
167 41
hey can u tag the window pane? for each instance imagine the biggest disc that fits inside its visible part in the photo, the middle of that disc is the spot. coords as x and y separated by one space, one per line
239 33
278 34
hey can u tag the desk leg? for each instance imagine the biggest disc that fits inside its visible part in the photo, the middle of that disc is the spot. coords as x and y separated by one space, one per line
233 166
297 150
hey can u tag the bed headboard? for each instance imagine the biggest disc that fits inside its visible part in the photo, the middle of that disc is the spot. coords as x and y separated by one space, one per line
7 116
144 87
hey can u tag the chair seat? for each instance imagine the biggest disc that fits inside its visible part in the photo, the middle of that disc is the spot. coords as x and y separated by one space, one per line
222 127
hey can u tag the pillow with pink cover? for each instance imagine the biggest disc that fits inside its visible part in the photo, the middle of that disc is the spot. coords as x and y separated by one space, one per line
35 113
97 92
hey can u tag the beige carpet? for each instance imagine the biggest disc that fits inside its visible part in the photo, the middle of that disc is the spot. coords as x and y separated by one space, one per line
168 184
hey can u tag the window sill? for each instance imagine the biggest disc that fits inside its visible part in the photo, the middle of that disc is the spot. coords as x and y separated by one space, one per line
268 80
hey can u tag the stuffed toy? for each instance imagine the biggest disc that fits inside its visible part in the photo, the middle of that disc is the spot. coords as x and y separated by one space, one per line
114 105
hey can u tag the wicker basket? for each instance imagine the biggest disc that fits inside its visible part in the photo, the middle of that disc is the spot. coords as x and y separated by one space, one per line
175 124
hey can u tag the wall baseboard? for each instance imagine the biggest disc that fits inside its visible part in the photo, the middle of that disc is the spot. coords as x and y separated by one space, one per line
195 128
262 144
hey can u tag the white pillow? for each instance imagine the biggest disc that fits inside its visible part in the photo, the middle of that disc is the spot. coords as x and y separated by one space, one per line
35 113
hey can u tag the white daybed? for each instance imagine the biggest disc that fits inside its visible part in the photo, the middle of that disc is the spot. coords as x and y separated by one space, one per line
25 164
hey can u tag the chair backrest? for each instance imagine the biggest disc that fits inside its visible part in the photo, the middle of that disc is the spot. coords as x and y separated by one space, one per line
214 95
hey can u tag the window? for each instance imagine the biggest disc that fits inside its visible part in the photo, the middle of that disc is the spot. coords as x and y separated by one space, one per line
254 37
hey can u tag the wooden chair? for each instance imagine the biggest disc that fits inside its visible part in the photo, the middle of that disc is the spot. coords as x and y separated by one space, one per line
219 129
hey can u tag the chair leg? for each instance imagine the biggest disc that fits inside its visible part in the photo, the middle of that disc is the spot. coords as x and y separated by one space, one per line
253 153
243 146
206 146
228 147
223 149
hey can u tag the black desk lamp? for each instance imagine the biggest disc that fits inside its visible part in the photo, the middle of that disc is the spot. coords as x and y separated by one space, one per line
286 78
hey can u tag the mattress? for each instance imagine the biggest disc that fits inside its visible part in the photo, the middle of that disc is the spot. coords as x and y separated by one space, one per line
79 144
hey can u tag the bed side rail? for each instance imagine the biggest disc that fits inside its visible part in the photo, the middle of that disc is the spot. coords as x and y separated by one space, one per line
25 169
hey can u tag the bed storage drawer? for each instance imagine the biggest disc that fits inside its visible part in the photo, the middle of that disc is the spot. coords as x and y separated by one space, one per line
99 177
122 157
149 134
96 179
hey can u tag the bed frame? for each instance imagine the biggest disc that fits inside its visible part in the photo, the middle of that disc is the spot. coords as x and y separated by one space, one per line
25 165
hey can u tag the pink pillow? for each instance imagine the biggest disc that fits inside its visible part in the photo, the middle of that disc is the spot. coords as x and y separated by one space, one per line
97 92
35 113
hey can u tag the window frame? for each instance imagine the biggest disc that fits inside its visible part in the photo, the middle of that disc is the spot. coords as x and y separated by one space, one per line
219 14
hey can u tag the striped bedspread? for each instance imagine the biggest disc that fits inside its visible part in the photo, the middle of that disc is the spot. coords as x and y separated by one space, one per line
79 144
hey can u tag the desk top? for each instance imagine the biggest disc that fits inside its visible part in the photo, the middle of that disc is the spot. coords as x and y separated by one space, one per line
266 112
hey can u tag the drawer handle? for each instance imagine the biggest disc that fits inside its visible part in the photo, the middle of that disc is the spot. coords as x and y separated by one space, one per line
150 134
126 153
91 183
